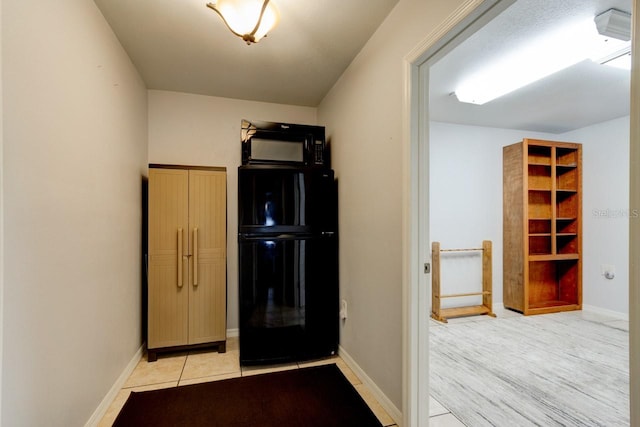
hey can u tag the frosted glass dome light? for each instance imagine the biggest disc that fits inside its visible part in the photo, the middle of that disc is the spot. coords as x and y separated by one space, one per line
250 20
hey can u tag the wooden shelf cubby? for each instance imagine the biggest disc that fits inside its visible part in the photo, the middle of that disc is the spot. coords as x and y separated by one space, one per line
542 226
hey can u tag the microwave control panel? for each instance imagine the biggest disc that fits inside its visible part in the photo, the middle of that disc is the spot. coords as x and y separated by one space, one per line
318 150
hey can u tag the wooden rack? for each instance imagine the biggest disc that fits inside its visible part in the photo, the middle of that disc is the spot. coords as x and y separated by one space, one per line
441 314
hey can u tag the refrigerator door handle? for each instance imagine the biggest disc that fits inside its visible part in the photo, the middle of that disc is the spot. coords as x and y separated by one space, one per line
266 237
285 236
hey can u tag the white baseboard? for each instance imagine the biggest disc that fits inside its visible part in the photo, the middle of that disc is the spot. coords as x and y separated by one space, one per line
117 386
384 401
605 312
113 392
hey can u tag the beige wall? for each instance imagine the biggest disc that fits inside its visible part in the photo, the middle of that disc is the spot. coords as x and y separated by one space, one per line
202 130
74 140
363 115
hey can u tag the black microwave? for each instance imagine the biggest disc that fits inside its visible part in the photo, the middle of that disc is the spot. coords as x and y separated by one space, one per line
283 144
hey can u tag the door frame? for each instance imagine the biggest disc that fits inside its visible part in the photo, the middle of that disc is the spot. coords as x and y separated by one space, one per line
468 18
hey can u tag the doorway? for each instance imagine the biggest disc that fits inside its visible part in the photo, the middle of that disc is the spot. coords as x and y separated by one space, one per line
469 19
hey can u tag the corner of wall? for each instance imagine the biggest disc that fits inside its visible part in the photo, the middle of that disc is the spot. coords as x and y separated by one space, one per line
383 400
101 410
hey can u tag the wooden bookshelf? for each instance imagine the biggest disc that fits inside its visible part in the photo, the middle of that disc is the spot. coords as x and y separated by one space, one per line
542 226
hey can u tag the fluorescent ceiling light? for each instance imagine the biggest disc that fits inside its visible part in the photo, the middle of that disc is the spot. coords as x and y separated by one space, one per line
615 26
544 56
622 61
618 59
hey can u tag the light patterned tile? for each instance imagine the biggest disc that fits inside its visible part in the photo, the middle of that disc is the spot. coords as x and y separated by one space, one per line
347 372
483 318
211 363
619 324
256 370
505 312
434 322
122 396
446 420
165 369
583 314
465 319
209 379
319 362
371 401
553 354
436 408
233 344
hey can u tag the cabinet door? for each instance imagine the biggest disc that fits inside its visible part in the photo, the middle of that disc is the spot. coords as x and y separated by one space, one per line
168 294
207 278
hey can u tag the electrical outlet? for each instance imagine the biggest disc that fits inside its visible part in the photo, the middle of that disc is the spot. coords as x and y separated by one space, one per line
608 271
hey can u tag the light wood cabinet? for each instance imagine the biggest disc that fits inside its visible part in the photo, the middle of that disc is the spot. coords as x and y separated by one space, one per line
186 258
542 226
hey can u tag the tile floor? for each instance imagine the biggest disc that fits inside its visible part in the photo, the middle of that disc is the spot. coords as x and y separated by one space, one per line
201 366
171 370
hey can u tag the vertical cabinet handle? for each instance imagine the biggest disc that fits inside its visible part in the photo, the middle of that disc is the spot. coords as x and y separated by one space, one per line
195 256
180 257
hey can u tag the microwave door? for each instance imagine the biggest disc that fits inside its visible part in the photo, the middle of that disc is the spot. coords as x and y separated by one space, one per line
278 151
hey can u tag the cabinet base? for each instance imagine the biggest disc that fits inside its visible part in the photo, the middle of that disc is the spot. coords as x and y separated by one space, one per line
152 353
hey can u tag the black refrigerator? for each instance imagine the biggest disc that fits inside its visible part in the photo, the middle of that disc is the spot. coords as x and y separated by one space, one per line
288 263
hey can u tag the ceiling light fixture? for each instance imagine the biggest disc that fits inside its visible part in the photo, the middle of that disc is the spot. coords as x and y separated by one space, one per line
614 23
620 59
615 26
547 55
250 20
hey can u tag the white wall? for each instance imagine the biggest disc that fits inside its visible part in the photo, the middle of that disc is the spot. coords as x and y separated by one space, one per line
1 217
188 129
75 131
466 205
605 213
363 115
466 202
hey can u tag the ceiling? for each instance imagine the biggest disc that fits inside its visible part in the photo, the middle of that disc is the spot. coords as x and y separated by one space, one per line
579 96
181 45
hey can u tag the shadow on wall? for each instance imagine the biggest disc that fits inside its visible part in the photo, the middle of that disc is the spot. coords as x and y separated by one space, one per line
143 257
